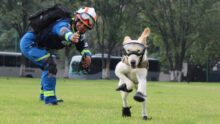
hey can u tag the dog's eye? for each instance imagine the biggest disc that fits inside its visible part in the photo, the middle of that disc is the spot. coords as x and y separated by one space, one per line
138 51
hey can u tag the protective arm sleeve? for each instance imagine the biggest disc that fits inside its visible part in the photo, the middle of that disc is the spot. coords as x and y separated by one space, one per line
62 29
68 36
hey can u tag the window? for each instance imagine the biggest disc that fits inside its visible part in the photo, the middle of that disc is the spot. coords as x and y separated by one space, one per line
154 66
75 66
114 62
1 60
10 61
96 66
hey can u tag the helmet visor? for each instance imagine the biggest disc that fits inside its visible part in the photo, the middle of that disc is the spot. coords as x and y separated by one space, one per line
87 20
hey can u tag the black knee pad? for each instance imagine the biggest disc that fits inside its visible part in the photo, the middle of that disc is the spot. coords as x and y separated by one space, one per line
52 68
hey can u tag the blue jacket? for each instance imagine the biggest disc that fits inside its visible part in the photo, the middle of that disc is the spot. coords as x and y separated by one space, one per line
54 38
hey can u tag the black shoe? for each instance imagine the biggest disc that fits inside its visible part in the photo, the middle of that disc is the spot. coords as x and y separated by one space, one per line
139 97
123 87
59 100
147 118
126 111
52 103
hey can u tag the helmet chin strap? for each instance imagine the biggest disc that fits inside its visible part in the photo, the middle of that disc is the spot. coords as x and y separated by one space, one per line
74 22
74 28
74 25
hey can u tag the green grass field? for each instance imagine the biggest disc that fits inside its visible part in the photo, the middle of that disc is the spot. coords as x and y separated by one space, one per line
97 102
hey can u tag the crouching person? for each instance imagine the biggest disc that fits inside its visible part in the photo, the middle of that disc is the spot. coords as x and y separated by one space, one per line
64 32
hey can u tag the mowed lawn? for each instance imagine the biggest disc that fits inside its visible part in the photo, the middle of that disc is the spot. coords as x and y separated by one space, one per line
97 102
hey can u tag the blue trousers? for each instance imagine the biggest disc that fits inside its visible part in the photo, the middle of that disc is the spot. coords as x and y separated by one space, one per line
39 56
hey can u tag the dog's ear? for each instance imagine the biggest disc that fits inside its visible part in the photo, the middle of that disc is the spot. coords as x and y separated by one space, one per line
144 35
126 39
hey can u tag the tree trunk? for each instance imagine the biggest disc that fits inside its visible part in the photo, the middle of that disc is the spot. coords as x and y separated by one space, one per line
22 67
175 75
66 63
106 71
66 68
105 67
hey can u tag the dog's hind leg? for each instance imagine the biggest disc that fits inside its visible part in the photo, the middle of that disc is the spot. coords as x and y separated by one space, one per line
125 109
124 96
144 108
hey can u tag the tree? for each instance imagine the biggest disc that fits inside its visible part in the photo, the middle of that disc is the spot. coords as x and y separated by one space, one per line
109 28
177 22
207 45
16 17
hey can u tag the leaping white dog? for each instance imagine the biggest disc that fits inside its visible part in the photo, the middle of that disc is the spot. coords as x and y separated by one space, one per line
132 72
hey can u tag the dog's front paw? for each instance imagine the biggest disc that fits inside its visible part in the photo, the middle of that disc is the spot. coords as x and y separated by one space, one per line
126 111
139 97
123 87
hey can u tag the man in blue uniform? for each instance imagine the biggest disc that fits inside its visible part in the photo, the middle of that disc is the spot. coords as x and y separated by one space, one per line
62 33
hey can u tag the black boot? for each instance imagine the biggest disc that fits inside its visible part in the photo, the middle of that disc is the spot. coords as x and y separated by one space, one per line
55 103
147 118
59 100
126 111
123 87
52 103
139 97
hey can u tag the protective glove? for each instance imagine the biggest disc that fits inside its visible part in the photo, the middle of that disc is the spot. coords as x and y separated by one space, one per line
52 68
84 64
86 61
75 37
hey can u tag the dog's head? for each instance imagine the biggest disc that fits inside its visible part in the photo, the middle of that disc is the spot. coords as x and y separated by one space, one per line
136 49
